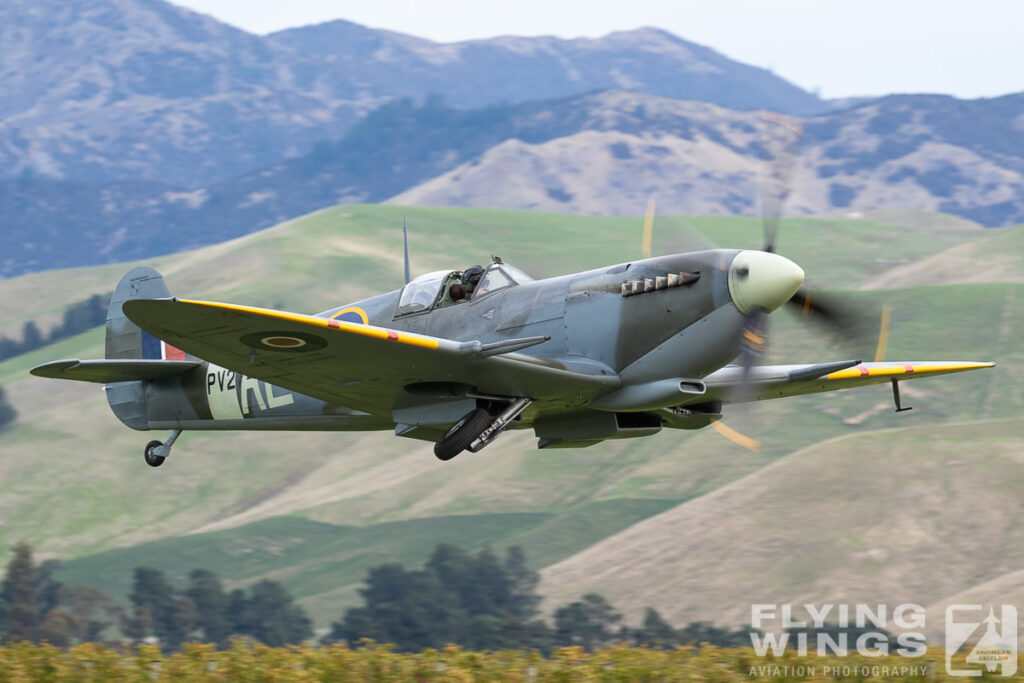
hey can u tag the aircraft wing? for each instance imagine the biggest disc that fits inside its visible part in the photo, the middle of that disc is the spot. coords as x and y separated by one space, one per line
360 366
779 381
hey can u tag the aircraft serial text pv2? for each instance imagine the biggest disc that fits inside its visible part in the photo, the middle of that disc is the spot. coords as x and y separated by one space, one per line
617 352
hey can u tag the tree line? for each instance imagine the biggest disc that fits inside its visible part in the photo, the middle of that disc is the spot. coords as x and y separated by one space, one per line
483 602
35 607
7 411
78 318
477 600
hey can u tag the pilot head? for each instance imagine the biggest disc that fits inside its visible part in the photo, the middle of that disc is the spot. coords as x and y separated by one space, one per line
457 292
471 277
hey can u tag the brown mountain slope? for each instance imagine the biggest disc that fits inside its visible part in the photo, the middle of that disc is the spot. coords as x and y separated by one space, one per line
698 158
146 90
892 153
599 172
1006 589
868 518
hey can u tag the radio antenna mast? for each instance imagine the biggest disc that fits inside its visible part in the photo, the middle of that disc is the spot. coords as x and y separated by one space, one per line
405 238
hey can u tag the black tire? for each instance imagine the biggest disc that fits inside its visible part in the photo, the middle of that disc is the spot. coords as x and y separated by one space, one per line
152 459
462 434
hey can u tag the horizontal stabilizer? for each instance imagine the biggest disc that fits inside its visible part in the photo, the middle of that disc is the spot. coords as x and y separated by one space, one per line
113 370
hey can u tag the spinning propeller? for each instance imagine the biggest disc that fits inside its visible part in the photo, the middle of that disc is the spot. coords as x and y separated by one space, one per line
761 281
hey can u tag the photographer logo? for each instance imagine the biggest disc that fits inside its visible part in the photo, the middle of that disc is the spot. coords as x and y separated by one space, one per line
992 639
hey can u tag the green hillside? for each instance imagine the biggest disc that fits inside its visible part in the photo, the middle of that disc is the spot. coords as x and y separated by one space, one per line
914 514
324 564
348 252
75 485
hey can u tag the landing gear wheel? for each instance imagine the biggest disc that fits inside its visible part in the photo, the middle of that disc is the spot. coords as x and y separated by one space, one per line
152 459
462 433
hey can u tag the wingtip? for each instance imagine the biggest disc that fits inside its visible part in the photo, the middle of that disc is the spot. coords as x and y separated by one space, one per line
54 368
920 368
973 364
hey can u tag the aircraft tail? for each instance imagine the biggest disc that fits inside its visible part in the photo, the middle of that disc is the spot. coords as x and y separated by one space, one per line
125 340
134 357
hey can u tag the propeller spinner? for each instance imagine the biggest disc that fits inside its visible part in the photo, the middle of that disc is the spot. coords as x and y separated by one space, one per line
762 280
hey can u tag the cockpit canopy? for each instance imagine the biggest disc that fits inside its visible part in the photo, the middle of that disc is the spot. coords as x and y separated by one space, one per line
433 289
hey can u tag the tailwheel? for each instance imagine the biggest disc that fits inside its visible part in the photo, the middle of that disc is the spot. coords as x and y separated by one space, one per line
462 433
152 459
157 451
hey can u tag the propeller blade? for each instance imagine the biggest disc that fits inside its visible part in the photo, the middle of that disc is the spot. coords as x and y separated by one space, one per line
754 339
648 227
734 436
883 335
780 142
753 342
853 325
823 307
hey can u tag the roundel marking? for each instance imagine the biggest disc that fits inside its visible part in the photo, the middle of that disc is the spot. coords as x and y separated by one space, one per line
288 342
352 314
281 342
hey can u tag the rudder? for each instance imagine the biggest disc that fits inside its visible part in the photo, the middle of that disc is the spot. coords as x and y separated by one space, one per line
125 339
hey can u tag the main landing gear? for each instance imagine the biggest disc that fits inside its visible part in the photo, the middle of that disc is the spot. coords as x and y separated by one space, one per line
477 429
157 451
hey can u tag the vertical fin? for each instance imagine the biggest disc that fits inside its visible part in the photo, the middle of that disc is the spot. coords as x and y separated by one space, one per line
124 338
405 238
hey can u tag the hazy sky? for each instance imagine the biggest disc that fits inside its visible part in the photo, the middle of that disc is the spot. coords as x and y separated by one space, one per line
967 48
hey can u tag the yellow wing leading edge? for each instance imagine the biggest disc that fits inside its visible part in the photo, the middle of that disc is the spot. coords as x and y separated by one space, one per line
780 381
887 369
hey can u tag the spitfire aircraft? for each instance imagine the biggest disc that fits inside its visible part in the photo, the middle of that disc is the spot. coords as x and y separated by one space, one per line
456 357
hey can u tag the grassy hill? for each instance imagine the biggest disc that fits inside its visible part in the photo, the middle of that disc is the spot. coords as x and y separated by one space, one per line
315 510
325 564
914 514
348 252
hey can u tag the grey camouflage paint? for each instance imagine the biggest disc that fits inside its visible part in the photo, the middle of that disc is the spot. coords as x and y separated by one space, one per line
685 331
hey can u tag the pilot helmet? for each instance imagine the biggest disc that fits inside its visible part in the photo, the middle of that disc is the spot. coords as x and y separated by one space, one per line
471 276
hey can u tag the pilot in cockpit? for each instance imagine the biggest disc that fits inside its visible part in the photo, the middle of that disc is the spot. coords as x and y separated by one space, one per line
471 278
456 292
464 283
